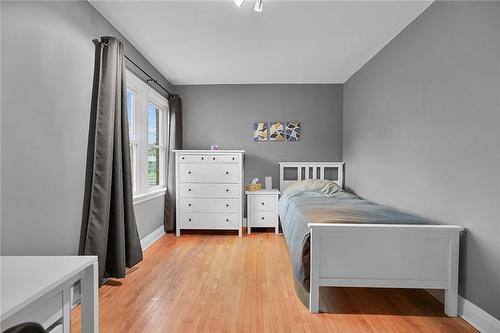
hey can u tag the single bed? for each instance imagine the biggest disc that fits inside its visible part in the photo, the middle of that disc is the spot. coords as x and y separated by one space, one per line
344 241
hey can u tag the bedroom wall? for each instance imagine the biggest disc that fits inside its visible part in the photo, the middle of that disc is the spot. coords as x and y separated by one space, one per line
224 115
421 132
47 68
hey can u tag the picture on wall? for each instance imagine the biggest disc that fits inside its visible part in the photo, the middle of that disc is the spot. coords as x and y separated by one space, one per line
292 131
276 132
260 131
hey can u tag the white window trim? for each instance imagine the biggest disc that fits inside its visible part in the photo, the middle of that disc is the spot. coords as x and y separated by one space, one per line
143 95
140 198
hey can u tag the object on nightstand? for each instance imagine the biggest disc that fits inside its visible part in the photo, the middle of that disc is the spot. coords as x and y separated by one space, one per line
214 147
254 186
269 183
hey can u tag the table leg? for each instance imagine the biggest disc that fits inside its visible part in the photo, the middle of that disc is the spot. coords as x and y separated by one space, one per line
66 310
90 299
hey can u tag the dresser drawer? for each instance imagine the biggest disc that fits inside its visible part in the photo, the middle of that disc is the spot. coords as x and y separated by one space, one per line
193 158
209 205
208 221
263 219
210 190
263 203
224 158
215 173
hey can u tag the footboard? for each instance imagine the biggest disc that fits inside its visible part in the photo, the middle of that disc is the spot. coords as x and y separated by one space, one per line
385 255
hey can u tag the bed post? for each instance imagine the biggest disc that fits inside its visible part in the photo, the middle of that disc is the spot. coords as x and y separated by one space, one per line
314 270
451 293
341 175
282 177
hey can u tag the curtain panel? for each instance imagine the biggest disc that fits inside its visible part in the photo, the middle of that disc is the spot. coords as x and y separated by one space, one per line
109 228
174 141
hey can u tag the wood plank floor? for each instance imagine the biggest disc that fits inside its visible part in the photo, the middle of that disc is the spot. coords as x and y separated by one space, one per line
223 283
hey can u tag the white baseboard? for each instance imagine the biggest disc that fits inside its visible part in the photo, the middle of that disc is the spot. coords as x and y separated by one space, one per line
152 237
477 317
471 313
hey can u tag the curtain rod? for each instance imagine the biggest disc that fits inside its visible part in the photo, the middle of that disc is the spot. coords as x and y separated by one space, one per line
151 79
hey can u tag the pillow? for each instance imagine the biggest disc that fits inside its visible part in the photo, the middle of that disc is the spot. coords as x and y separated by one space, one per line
325 187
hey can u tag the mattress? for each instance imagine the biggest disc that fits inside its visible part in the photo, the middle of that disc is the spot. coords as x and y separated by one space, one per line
297 210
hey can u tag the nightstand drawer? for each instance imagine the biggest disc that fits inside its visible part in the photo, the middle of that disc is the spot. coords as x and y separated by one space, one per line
263 203
263 219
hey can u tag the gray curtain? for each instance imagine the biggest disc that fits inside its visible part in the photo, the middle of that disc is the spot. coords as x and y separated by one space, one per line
108 224
174 141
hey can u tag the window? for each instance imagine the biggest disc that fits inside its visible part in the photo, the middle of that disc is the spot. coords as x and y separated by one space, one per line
131 109
155 145
147 115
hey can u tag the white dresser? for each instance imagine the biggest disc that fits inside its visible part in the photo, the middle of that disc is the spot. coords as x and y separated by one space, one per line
209 189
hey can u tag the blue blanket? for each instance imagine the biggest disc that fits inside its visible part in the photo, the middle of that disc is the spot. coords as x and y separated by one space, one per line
297 210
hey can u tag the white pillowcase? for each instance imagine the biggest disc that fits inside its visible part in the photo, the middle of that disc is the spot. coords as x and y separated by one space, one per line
325 187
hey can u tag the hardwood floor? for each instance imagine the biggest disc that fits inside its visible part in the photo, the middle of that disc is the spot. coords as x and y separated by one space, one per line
223 283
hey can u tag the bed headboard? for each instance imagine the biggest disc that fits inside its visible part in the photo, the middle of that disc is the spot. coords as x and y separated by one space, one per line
311 170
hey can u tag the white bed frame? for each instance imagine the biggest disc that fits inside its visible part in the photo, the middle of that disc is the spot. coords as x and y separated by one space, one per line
378 255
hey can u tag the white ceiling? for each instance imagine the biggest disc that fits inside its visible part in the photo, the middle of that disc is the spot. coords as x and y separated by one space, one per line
215 42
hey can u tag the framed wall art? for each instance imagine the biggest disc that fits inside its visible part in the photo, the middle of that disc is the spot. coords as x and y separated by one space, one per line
260 131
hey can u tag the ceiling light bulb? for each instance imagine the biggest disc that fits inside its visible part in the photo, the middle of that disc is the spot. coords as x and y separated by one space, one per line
239 2
258 6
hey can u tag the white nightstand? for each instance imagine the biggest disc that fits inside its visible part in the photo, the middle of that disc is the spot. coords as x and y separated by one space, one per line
262 209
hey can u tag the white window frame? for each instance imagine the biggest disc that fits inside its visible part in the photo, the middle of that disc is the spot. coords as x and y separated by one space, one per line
133 136
144 95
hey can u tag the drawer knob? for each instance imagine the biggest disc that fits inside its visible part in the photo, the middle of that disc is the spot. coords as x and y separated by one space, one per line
189 205
189 190
227 205
213 158
227 220
262 217
227 190
189 172
227 172
183 158
202 158
189 220
233 158
262 204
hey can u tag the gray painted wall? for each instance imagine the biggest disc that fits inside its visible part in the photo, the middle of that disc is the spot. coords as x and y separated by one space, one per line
224 115
421 132
47 67
149 215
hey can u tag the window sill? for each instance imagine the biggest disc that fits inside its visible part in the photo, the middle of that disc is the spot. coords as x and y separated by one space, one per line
140 198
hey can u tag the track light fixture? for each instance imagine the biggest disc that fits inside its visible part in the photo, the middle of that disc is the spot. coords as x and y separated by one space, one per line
239 2
257 7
